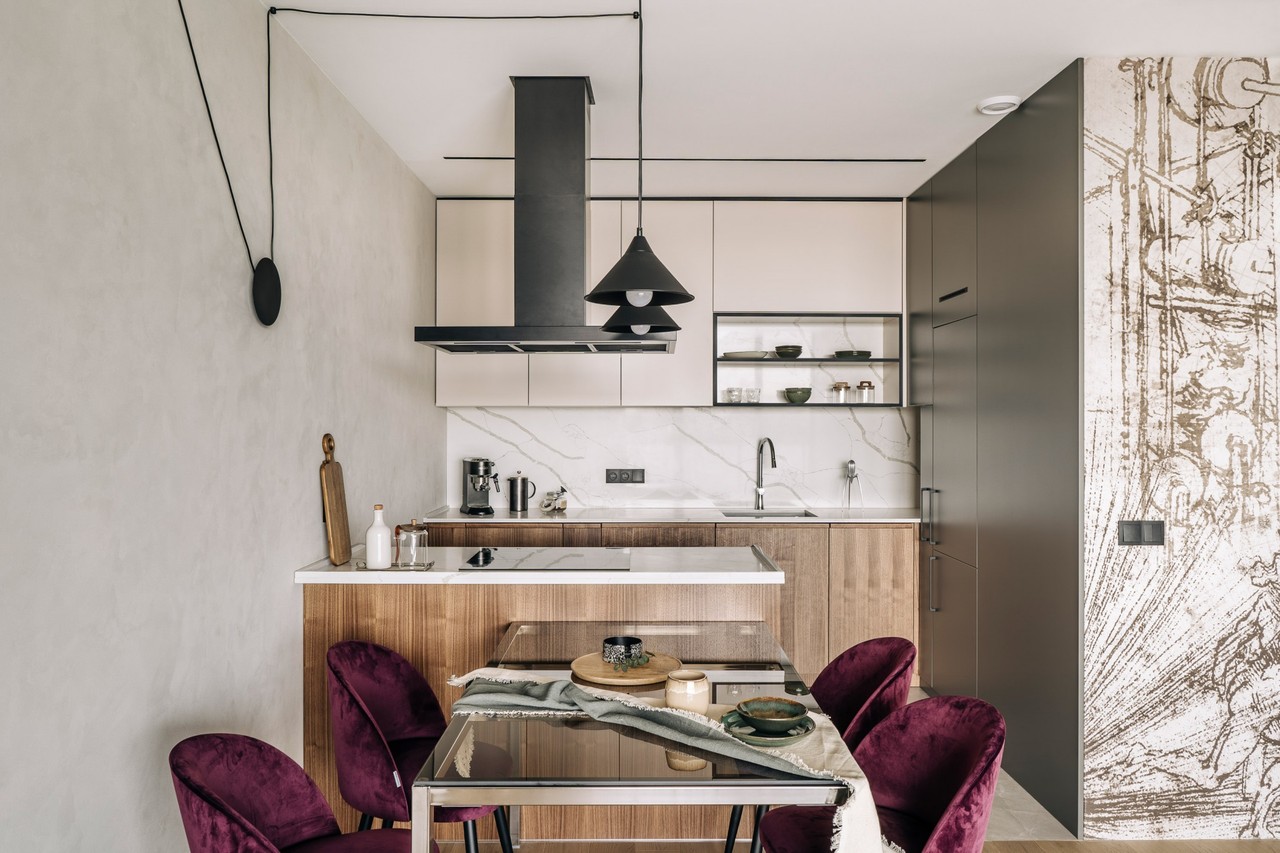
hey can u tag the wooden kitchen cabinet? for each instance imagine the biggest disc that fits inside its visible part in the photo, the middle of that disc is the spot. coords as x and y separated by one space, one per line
658 536
802 552
581 536
808 256
681 236
873 584
495 535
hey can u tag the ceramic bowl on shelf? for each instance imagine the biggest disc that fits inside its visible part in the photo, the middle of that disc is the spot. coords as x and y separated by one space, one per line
797 395
788 351
746 355
854 354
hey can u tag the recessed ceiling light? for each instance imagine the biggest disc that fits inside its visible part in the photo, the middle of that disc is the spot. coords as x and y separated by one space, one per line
999 105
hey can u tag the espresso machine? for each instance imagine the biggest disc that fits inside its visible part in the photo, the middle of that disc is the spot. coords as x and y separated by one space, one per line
478 475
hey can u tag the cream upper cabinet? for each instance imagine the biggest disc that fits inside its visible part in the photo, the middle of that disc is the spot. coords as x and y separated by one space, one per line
475 262
475 286
585 379
807 256
680 234
482 379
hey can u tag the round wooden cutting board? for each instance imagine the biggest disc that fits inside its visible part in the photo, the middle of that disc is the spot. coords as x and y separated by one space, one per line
593 668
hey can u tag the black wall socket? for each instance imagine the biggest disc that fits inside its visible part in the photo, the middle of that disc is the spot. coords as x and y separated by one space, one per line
624 475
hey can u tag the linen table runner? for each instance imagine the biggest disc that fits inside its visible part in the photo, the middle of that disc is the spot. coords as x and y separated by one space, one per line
498 692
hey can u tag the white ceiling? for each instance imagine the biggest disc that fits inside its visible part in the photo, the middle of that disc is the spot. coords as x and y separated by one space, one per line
741 78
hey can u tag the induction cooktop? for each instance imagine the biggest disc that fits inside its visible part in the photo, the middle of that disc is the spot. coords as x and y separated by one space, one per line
550 559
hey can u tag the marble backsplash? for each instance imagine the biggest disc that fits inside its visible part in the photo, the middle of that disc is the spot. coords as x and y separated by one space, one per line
694 456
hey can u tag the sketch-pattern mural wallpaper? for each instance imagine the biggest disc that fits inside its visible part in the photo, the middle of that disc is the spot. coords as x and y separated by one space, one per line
1182 643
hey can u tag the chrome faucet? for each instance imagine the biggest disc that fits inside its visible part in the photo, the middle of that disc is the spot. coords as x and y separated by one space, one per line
773 463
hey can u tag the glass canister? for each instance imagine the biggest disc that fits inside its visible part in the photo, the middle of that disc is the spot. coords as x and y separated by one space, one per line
411 546
840 392
865 392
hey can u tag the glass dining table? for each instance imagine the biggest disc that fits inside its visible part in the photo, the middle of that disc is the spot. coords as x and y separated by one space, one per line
576 761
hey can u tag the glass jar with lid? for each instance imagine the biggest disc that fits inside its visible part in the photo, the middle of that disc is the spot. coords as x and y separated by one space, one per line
840 392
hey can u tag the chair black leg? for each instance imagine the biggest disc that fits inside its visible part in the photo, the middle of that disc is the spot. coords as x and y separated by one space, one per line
504 831
469 834
735 817
387 823
757 843
366 822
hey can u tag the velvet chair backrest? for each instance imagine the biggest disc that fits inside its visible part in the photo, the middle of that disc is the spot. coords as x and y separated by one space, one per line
238 794
937 760
376 696
864 683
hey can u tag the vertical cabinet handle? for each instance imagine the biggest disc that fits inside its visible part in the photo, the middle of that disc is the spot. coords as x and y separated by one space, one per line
933 607
933 506
925 514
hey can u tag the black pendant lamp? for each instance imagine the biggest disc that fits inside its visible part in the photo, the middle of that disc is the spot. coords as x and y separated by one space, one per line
640 320
639 279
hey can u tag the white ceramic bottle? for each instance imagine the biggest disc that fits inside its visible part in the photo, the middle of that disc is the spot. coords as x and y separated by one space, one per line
377 542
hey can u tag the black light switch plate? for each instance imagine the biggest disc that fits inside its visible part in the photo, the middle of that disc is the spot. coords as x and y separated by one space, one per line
624 475
1142 533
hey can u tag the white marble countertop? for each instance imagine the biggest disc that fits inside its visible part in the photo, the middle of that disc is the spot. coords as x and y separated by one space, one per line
595 566
684 515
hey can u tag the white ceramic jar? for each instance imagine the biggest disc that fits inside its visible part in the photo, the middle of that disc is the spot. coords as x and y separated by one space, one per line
689 690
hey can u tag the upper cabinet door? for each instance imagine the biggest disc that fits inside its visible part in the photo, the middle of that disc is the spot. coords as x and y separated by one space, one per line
920 297
841 257
955 239
475 262
680 234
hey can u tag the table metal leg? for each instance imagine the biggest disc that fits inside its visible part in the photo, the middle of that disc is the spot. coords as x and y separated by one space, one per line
420 841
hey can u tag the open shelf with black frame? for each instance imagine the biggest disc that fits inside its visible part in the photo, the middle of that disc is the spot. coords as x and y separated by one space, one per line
821 335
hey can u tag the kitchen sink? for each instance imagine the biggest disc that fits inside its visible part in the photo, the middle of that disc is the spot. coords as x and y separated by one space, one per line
767 513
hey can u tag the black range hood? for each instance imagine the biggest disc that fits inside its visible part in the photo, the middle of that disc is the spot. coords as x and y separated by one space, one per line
552 189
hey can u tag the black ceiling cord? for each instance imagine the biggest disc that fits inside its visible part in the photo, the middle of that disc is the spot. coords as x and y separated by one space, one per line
266 278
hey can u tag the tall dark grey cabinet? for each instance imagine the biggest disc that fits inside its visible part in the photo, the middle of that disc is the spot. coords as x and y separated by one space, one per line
993 293
942 301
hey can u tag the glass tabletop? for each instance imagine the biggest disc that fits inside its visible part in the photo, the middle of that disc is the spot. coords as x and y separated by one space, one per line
741 660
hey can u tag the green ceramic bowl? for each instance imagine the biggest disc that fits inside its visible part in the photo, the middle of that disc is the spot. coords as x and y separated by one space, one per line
771 714
797 395
788 351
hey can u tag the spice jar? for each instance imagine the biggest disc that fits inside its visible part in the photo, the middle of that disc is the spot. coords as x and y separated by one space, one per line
865 392
840 392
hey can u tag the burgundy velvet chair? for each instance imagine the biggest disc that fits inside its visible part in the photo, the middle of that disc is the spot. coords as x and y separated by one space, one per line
856 690
238 794
864 684
932 766
386 721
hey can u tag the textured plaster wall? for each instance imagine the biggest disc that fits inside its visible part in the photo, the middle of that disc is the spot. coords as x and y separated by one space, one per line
1182 423
158 447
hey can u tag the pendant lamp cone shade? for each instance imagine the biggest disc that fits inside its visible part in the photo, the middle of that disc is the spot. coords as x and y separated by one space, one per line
639 271
640 320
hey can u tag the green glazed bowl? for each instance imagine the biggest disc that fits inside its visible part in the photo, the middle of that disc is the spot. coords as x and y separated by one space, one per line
788 351
771 714
797 395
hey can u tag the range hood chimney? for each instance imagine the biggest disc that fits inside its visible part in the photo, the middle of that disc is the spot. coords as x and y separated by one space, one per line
552 222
